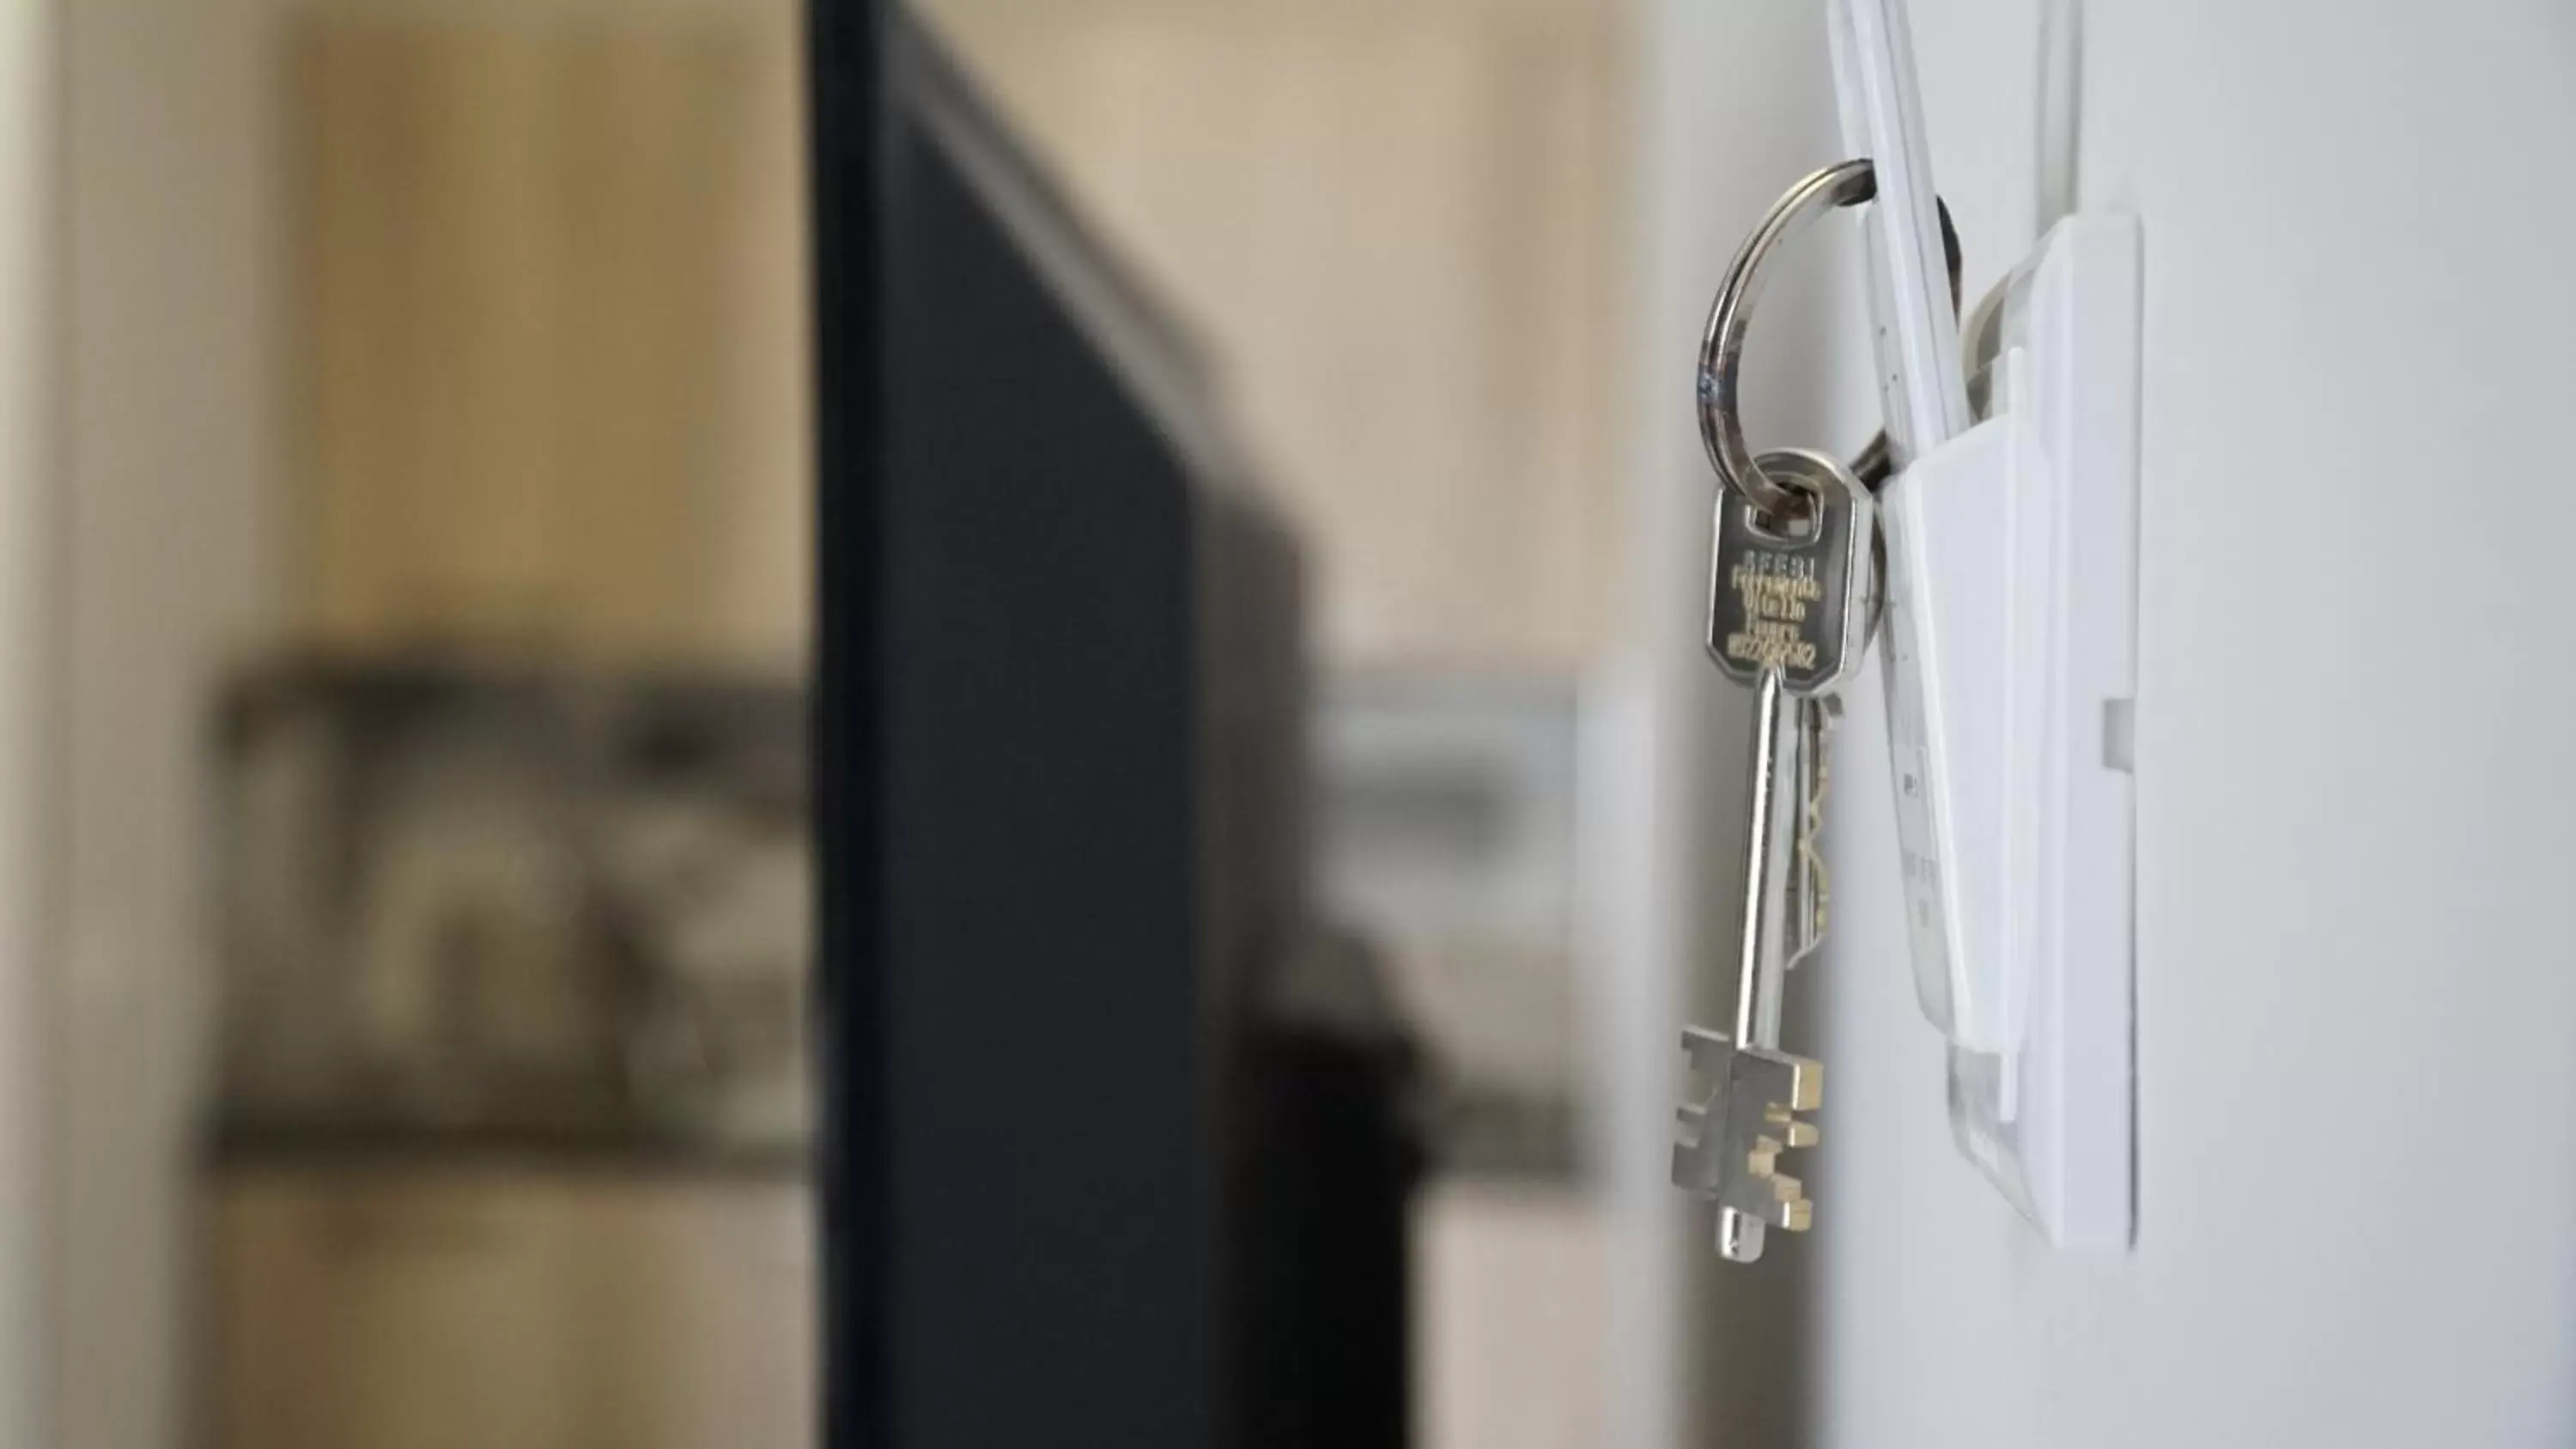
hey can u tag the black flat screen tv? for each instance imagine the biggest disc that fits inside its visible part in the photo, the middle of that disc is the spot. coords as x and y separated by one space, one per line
1074 1192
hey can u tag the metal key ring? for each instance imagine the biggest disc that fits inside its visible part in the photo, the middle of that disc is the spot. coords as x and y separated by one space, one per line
1721 352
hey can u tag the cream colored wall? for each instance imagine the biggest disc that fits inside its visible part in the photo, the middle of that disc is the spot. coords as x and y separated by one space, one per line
167 402
169 451
1511 1331
1397 224
30 443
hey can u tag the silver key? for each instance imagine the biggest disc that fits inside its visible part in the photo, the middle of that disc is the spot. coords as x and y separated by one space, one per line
1810 889
1789 614
1729 1146
1796 598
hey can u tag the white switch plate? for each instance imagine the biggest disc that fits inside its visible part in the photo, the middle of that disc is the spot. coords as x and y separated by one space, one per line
2042 1091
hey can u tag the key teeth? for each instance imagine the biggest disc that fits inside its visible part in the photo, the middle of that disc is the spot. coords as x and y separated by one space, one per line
1689 1124
1763 1159
1692 1169
1807 1090
1765 1092
1752 1110
1790 1208
1792 1131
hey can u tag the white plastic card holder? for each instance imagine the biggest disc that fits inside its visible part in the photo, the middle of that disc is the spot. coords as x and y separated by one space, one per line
2041 676
1980 517
2008 641
1923 396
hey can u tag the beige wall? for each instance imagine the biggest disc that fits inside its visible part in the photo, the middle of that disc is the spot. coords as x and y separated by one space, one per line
168 457
29 716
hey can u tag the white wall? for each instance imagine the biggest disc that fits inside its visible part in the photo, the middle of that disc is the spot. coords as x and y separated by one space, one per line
2356 978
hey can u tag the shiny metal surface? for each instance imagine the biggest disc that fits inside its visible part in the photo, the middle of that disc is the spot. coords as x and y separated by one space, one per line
1721 351
1798 600
1810 889
1794 591
1721 354
1757 994
1759 976
1730 1143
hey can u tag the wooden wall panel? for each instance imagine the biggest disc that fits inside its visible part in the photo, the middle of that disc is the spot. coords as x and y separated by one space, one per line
550 391
432 1307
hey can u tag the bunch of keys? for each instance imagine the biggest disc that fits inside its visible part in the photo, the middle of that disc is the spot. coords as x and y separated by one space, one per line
1793 603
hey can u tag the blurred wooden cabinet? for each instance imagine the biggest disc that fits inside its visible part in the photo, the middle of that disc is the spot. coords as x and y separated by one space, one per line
549 300
429 1308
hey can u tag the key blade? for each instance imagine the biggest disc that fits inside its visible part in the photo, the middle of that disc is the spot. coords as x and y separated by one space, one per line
1699 1147
1774 1078
1707 1051
1728 1149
